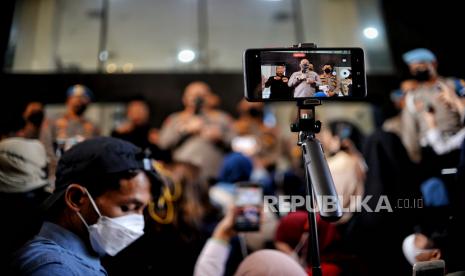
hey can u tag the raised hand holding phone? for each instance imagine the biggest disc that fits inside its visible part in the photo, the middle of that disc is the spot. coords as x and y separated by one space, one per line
248 204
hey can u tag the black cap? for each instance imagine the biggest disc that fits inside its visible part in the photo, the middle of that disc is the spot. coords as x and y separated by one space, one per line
93 159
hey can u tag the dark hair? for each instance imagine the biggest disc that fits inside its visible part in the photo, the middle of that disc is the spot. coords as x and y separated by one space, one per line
96 188
11 119
138 98
109 182
347 130
10 125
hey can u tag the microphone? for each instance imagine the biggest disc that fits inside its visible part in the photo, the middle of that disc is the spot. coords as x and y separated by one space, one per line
321 180
199 101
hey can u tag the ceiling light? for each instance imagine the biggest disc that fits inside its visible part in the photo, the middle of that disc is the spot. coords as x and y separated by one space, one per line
111 68
370 32
128 67
186 56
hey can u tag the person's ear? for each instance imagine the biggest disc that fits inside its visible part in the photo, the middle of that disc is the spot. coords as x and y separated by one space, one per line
75 197
436 254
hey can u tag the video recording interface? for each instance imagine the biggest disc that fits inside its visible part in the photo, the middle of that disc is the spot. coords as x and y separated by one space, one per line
248 196
306 74
248 203
289 74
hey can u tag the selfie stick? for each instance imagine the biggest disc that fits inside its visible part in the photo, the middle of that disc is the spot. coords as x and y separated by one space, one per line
318 177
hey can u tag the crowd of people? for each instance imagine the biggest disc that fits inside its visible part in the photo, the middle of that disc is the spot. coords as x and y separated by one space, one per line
150 201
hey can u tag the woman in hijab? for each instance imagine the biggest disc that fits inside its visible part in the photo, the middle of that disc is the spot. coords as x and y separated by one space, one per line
269 262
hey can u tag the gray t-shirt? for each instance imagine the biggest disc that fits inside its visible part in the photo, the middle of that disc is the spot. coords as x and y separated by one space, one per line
193 148
302 88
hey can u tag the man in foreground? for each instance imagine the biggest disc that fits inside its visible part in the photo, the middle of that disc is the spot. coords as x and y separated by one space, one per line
102 187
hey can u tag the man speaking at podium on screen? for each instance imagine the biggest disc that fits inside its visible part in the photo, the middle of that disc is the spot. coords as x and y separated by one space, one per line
304 81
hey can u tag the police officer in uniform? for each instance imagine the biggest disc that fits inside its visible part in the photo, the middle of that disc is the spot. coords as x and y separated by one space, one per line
72 127
428 91
329 80
61 134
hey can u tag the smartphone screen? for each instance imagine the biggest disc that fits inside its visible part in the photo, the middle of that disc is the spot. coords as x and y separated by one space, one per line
286 74
248 204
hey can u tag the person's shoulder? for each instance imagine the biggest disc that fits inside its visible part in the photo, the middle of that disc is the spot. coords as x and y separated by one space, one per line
177 115
40 257
89 125
220 114
174 117
457 84
450 78
41 246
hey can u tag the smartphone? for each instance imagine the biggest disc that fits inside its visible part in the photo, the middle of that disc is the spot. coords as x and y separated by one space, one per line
287 74
248 203
429 268
198 105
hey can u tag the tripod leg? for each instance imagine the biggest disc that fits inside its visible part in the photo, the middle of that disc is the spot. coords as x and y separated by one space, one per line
313 246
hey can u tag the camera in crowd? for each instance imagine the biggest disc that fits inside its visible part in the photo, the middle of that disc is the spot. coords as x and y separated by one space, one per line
287 74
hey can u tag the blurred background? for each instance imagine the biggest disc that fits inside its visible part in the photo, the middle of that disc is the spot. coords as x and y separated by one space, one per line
124 48
136 58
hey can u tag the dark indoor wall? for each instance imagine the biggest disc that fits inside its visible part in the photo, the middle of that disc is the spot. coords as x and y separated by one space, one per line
438 26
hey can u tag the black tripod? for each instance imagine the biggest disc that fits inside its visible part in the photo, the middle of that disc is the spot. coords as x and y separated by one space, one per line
316 173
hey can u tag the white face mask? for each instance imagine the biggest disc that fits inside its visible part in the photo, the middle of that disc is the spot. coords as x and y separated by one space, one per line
295 253
111 235
410 250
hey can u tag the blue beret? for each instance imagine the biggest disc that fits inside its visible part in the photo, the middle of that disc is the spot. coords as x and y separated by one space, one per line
79 90
419 55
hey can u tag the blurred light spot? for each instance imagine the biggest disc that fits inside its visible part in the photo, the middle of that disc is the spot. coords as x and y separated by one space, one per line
186 56
370 32
128 67
111 68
